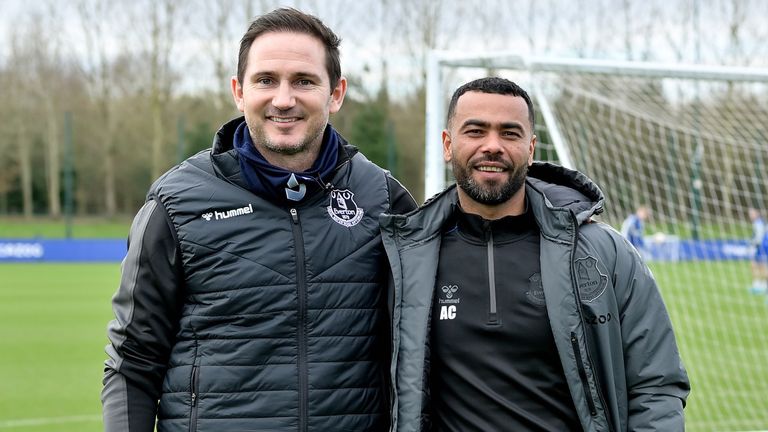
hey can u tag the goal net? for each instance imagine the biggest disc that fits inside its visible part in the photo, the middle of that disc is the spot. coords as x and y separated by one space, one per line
690 143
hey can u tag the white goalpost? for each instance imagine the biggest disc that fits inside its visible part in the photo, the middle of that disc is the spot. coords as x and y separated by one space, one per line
689 142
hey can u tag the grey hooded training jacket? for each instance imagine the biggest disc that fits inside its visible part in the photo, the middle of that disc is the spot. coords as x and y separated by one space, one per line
611 328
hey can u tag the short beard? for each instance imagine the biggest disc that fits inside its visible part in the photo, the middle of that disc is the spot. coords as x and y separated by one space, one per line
492 193
260 137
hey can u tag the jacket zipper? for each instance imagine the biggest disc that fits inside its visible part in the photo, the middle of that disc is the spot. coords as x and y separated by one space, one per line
493 316
574 340
583 374
301 287
194 396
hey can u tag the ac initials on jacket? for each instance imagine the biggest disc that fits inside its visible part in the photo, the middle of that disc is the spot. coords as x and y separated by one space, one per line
447 312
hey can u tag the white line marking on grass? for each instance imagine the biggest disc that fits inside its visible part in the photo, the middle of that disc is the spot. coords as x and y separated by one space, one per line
48 420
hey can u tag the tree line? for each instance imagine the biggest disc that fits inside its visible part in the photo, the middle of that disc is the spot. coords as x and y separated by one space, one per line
110 94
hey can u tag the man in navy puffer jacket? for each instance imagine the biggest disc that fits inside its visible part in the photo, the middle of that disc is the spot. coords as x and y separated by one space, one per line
253 293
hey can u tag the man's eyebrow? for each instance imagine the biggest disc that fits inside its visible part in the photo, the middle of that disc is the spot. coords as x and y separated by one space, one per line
486 124
513 125
294 75
475 122
309 75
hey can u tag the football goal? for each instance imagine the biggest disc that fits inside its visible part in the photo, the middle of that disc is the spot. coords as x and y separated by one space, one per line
688 142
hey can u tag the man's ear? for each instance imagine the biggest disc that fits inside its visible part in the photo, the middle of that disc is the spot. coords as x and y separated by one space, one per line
531 148
337 95
237 94
447 154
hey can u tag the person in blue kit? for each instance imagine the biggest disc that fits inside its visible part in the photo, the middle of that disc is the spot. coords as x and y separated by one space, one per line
759 261
511 310
253 295
633 228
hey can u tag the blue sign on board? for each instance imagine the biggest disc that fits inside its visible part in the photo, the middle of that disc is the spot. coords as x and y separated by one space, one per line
81 250
669 248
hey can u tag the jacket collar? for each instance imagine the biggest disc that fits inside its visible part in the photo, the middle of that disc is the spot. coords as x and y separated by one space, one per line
226 160
560 198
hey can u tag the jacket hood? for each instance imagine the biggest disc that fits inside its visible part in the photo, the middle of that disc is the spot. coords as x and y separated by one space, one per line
566 188
562 199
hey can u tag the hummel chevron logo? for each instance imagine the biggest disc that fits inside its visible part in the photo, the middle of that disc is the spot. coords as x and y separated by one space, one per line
226 214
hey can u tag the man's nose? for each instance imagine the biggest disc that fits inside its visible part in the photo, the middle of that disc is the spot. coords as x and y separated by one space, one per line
283 98
492 143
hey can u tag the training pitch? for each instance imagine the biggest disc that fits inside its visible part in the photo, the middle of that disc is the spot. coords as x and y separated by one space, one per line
53 321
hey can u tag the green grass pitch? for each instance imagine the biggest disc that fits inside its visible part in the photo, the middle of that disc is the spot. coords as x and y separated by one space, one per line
53 321
722 332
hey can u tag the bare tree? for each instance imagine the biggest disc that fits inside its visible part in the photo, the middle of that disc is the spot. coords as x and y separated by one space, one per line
736 12
25 165
256 7
549 13
626 7
425 25
154 36
218 33
43 42
755 34
19 113
650 22
162 18
679 38
10 136
97 67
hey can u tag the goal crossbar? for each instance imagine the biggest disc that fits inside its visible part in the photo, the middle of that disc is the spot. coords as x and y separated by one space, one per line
435 179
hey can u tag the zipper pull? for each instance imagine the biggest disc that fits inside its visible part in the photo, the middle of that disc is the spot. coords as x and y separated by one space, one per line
194 398
487 230
294 215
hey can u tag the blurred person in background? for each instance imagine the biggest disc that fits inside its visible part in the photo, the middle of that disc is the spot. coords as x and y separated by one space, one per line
759 262
253 293
512 311
633 228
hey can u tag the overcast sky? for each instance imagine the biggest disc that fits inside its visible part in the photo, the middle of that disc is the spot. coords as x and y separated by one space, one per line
657 30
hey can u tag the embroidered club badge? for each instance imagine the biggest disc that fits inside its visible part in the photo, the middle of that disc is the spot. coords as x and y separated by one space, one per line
592 282
343 209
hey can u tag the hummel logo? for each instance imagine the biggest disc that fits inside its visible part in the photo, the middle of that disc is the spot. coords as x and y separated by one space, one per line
449 302
449 290
226 214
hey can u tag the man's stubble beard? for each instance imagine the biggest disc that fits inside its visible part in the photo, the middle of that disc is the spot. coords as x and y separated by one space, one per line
494 193
260 137
314 133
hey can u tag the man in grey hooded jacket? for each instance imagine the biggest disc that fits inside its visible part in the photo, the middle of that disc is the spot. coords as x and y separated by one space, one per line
511 308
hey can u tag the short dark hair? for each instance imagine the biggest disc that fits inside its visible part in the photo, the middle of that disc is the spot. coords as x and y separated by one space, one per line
292 21
494 85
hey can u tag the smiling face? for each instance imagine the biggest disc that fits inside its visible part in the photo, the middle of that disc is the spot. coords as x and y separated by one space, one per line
287 98
489 143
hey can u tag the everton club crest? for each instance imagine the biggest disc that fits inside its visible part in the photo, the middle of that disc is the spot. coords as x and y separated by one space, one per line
535 291
592 282
343 209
